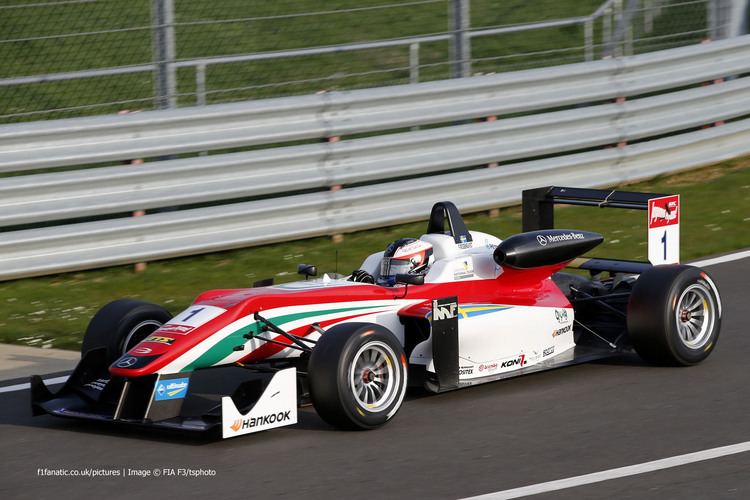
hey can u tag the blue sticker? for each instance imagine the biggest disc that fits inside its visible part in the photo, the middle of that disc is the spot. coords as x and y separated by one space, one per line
171 389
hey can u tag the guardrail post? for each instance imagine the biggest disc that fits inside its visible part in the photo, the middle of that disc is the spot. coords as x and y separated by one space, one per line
492 212
139 267
460 46
621 100
335 237
163 47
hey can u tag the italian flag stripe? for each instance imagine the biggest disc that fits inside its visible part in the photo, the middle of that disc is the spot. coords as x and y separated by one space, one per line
225 347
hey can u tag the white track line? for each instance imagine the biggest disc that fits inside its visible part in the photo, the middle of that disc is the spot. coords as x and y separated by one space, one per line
630 470
719 260
24 386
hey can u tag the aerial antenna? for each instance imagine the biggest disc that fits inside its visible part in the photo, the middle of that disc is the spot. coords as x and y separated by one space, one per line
336 270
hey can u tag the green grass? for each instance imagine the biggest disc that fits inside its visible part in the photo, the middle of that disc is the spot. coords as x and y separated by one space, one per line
53 311
30 45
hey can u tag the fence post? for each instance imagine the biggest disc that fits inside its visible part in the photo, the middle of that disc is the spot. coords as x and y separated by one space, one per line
588 39
460 45
163 47
607 33
648 16
200 85
414 63
738 17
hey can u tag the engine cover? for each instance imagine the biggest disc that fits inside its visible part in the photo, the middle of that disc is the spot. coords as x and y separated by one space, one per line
544 248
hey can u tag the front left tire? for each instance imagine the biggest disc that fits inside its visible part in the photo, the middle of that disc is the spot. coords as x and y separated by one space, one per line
358 375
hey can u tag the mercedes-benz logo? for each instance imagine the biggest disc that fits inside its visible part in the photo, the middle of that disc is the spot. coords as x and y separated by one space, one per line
541 239
126 362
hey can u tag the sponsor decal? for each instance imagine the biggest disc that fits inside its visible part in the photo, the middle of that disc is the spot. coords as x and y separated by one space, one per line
276 407
519 361
548 351
126 362
560 331
98 384
466 370
489 368
542 240
159 339
171 389
663 211
463 269
141 350
176 329
446 311
249 423
561 315
554 238
464 243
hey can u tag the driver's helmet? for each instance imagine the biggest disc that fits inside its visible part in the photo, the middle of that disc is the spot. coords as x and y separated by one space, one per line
404 256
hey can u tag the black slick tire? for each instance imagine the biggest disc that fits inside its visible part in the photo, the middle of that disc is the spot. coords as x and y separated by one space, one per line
358 376
674 315
120 325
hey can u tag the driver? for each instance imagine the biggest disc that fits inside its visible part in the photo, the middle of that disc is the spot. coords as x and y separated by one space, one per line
403 256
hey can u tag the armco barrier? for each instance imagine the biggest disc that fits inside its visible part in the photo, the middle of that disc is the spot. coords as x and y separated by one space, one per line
275 173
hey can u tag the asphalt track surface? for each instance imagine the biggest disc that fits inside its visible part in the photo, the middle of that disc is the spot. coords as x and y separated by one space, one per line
533 429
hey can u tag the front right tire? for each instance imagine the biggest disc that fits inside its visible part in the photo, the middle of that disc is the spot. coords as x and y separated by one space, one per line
120 325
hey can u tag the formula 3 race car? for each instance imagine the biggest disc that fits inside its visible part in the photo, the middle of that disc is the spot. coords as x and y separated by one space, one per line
451 309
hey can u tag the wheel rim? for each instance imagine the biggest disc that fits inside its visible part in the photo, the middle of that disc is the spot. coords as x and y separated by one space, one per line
138 333
374 376
695 316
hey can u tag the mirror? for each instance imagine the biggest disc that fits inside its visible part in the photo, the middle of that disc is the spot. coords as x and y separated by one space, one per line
307 270
410 279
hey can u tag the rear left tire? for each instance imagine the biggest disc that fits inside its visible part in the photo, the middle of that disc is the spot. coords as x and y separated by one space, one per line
674 315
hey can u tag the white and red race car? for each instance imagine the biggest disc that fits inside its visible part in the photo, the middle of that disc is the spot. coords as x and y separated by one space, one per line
450 309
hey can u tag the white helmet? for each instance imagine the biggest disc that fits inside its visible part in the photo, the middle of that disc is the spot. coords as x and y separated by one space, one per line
405 256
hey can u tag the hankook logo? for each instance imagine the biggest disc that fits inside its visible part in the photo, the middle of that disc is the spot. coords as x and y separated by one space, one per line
541 239
249 423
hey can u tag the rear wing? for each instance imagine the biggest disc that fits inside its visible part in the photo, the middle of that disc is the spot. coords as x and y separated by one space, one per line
663 221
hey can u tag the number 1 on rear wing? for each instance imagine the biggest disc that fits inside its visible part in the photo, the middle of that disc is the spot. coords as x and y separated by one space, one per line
664 230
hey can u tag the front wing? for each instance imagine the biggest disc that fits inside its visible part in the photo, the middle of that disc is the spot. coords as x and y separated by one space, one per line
227 401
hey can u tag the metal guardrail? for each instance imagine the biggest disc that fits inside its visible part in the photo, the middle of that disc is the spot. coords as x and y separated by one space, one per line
381 160
99 139
107 190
